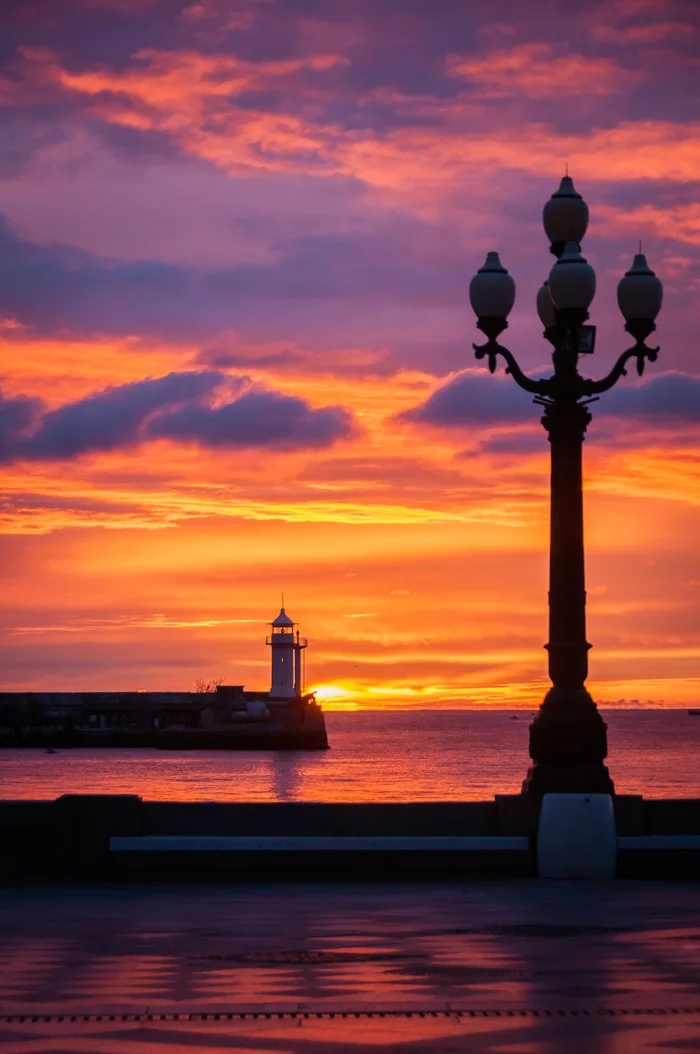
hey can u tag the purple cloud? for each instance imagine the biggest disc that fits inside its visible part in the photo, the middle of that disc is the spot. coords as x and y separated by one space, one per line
110 419
258 418
477 398
670 396
402 281
17 415
516 443
173 407
474 398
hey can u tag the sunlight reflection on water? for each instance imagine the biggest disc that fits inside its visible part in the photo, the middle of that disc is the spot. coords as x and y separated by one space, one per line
374 756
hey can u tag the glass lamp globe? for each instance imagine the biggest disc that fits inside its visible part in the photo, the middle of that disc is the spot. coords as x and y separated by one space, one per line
572 281
640 292
545 307
492 290
565 216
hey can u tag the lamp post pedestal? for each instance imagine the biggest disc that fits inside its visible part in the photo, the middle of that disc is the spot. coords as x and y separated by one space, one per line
568 745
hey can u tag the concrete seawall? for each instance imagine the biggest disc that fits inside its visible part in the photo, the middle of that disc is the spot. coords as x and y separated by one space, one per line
87 838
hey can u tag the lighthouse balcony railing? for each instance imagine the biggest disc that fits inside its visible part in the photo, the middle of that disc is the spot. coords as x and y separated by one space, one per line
287 638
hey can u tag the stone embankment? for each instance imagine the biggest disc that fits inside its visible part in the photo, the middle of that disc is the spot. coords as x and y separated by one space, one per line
86 838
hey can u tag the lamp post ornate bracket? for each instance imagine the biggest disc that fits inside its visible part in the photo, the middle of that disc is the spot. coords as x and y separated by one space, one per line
568 738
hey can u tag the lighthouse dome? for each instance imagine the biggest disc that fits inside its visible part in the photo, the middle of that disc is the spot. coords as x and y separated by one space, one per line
283 619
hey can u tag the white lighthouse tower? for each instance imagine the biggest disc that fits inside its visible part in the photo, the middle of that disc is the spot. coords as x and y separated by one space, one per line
287 647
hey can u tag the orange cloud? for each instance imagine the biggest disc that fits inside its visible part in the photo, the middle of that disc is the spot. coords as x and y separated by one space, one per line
536 71
421 160
192 98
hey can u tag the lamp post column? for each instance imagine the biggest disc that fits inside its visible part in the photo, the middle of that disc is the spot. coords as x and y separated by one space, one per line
565 423
568 739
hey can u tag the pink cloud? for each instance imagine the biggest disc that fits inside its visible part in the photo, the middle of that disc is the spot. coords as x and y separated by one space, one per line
681 222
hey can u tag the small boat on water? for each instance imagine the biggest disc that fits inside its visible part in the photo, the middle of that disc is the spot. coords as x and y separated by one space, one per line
694 713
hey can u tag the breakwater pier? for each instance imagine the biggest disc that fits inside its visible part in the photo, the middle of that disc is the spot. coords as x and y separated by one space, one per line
227 719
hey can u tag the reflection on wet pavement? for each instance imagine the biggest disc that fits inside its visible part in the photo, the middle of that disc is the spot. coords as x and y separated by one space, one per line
519 966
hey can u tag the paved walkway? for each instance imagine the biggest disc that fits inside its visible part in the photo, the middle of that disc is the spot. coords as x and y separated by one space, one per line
520 967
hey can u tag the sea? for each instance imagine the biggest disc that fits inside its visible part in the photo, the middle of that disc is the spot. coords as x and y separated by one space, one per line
405 755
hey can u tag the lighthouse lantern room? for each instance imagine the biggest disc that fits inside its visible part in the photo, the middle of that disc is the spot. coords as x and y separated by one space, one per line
287 647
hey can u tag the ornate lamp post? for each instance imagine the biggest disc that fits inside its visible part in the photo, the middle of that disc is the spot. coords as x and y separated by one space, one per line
568 742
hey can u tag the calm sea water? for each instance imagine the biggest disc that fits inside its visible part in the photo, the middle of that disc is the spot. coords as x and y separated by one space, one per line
375 756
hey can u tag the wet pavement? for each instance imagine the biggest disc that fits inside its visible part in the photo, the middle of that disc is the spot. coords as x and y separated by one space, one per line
518 967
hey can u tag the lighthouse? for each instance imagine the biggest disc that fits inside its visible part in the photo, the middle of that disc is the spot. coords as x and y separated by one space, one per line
287 647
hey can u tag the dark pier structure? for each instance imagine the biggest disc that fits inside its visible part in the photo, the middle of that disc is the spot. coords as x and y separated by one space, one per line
227 719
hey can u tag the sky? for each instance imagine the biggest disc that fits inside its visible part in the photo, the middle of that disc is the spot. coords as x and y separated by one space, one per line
236 240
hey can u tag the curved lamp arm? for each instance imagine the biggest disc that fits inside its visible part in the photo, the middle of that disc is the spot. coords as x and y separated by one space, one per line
640 351
493 349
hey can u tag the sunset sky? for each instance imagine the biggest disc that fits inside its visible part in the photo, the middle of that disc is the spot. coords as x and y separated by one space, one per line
236 239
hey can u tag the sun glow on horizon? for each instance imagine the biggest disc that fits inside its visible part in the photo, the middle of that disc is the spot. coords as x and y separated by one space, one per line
333 697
